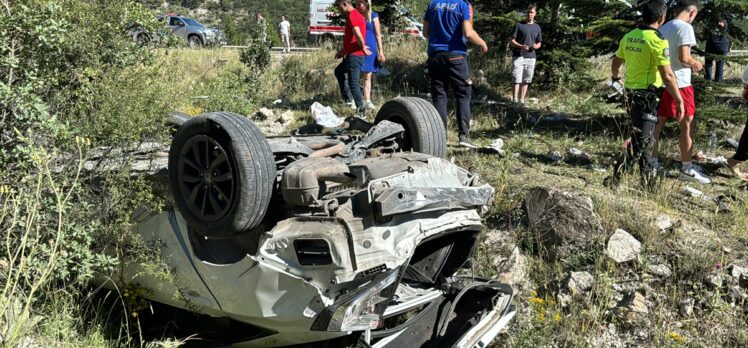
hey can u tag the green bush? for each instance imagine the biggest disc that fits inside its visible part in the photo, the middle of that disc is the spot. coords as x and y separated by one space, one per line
72 80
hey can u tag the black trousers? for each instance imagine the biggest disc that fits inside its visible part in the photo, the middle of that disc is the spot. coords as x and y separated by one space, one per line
742 153
348 73
720 66
642 108
448 70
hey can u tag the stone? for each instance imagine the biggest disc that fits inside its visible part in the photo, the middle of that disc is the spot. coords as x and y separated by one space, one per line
554 157
733 143
565 224
497 238
578 157
636 302
660 270
580 282
564 299
715 279
264 114
737 271
685 307
623 247
664 223
514 270
287 117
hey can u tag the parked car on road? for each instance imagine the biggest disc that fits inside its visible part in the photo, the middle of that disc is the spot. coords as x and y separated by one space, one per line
194 32
310 238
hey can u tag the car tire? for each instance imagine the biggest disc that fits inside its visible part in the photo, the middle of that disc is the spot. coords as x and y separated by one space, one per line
424 128
195 41
143 39
221 171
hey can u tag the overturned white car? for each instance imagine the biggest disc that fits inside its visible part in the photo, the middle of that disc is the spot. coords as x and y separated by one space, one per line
314 237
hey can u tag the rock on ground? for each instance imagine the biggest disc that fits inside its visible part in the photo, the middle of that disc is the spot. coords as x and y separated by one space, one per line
287 117
664 223
264 114
660 270
580 282
685 307
635 302
565 223
623 247
514 271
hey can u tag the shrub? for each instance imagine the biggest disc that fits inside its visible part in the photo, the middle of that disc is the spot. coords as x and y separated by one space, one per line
71 79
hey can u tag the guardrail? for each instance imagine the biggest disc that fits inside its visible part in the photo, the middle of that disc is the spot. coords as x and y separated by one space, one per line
278 49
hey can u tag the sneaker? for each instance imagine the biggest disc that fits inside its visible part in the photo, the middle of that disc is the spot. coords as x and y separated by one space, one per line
369 105
465 142
351 104
694 176
697 168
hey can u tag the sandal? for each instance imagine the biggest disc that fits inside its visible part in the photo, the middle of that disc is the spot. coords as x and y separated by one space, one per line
734 170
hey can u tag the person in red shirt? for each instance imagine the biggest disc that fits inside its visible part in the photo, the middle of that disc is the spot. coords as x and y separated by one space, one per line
353 53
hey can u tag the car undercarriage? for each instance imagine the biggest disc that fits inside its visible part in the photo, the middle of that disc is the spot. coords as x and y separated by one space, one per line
365 231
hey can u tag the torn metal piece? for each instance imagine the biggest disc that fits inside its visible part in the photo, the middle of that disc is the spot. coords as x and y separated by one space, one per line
405 200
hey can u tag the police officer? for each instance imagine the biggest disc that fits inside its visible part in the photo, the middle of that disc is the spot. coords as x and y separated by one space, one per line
448 25
647 57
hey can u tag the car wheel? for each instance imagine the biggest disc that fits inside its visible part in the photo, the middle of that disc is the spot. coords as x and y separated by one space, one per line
195 41
221 171
424 128
143 39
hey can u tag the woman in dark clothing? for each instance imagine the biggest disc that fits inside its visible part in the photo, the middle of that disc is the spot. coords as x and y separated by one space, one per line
717 46
742 154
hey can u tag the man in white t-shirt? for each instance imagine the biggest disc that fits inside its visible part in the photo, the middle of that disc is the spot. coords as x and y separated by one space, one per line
680 36
285 33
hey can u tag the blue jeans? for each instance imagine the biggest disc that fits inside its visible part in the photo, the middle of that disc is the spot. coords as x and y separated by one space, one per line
448 70
719 69
350 66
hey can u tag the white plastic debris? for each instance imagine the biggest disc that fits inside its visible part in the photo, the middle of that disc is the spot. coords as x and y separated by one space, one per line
696 193
324 116
497 145
716 160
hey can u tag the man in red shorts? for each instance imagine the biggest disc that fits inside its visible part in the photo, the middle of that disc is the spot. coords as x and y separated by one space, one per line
680 36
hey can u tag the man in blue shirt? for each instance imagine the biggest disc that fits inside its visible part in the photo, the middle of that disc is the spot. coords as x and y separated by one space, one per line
448 25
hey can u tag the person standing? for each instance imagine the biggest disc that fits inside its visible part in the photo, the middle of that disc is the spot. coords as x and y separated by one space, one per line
284 28
526 39
348 72
718 43
741 155
647 57
374 42
263 25
448 26
681 37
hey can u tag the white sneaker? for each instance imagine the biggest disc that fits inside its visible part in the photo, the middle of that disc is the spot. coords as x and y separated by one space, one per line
369 105
351 104
697 168
694 176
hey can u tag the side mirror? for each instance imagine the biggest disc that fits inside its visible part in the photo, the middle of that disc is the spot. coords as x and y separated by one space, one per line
181 24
